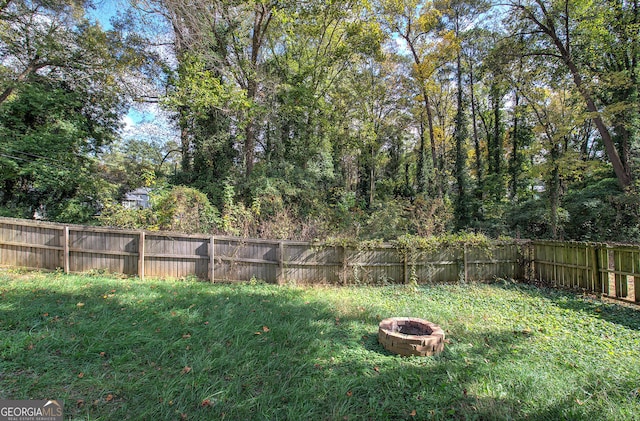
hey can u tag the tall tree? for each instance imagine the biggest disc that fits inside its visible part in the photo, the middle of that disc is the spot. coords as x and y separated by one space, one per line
416 24
553 23
461 15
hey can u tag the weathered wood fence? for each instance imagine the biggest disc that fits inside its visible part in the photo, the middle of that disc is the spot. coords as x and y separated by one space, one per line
612 270
599 268
74 248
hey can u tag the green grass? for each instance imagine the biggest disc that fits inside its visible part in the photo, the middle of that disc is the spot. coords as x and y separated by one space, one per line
129 349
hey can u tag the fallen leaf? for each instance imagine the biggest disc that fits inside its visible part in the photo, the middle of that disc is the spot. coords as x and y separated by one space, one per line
80 305
103 354
349 393
206 402
258 333
30 347
265 329
46 314
109 397
185 370
80 403
376 369
186 336
413 413
80 375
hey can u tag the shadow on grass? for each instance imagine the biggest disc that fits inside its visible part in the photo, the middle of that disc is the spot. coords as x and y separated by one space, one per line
126 349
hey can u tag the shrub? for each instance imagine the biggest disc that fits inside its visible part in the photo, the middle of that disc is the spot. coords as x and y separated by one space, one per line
186 210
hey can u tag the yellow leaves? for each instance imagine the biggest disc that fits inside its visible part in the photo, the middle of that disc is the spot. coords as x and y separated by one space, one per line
429 19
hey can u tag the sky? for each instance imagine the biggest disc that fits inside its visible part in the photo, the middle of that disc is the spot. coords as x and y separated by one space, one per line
143 121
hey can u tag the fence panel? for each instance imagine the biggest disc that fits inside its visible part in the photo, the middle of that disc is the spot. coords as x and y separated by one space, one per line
31 244
444 265
379 265
501 259
176 256
91 249
312 263
243 259
613 270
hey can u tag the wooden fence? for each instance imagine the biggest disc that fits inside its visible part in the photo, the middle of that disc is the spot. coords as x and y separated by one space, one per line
611 270
74 248
600 268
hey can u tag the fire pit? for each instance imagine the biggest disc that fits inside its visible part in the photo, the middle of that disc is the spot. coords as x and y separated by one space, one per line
410 336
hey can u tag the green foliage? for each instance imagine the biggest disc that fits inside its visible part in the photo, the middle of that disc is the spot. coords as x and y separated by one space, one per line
531 219
48 131
185 209
602 212
410 244
116 215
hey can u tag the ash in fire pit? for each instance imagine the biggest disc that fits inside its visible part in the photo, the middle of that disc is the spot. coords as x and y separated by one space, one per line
411 327
410 336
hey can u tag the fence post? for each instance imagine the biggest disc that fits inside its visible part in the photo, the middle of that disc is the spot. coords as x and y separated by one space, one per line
345 265
611 267
465 262
212 259
595 269
631 280
405 265
529 259
280 276
65 256
141 255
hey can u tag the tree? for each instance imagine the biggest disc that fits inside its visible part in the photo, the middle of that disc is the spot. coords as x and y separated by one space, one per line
63 89
553 28
461 15
416 25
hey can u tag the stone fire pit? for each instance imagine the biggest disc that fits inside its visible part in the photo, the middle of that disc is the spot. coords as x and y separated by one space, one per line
410 336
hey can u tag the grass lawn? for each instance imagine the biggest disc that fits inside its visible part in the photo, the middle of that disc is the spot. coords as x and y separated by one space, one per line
168 350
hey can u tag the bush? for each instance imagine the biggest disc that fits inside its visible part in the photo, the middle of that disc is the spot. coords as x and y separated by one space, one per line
185 209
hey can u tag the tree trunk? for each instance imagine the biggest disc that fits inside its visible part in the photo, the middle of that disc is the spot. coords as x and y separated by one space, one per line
476 136
619 167
514 165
